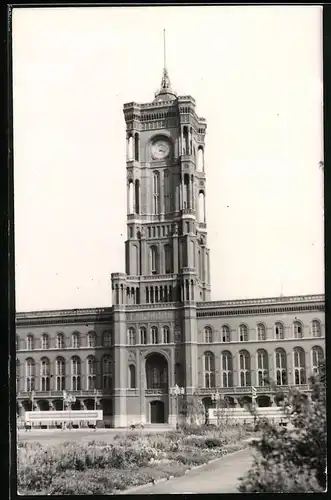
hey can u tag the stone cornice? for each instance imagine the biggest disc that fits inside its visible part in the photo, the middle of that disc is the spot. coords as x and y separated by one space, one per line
291 300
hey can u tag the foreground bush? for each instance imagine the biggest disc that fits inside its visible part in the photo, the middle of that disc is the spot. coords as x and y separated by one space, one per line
292 461
73 468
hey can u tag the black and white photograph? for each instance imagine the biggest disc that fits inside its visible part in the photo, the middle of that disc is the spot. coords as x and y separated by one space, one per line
168 166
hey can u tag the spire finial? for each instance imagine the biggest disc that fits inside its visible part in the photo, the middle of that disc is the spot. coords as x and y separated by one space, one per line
165 92
164 50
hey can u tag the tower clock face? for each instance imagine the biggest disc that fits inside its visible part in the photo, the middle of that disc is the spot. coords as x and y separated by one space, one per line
160 149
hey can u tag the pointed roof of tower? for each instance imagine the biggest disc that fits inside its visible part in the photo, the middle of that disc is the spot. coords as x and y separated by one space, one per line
165 92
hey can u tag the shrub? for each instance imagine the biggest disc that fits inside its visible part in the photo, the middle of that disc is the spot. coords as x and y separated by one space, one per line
285 454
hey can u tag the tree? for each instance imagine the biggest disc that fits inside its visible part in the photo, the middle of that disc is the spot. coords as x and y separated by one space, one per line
292 460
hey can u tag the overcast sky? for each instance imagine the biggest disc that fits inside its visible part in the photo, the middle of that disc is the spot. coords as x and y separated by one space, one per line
256 75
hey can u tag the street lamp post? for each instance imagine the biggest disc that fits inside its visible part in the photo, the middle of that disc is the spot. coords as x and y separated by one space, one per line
216 397
175 392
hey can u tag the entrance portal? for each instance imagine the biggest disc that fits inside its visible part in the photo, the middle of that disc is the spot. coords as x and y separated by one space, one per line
157 412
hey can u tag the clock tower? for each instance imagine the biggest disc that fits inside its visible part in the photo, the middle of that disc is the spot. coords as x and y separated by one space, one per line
167 258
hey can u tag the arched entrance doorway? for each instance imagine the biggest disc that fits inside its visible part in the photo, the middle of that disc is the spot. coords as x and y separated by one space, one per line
263 401
157 414
157 373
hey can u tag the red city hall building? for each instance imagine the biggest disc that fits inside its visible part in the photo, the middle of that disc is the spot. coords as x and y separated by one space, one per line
162 330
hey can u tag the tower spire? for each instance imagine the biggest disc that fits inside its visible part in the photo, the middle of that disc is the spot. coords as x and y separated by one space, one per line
165 92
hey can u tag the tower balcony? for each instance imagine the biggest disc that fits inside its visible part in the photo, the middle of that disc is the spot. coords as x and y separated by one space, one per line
202 225
132 163
188 211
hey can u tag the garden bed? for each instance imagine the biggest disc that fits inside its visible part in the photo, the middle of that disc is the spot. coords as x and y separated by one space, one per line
73 468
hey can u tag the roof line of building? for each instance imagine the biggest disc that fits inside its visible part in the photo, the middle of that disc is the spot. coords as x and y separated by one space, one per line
201 305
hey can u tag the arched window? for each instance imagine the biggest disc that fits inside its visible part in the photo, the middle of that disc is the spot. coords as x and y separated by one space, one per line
225 333
30 342
91 339
17 343
44 341
154 335
166 334
136 146
260 330
59 341
167 192
106 339
18 375
317 357
60 369
107 370
30 373
245 368
130 196
131 336
243 333
209 369
200 165
153 260
316 328
75 373
279 331
156 193
130 148
45 374
227 369
132 377
262 367
281 367
299 366
137 195
201 213
143 335
297 330
75 340
91 373
208 335
168 259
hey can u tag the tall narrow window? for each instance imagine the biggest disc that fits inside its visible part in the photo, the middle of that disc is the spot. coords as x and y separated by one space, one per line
260 330
44 341
243 333
156 193
315 328
75 374
45 374
30 374
75 340
154 260
202 215
91 339
297 330
225 333
227 370
136 146
137 195
262 368
130 197
200 161
132 377
60 366
245 368
279 331
106 372
143 335
317 357
299 366
209 370
281 367
167 192
131 336
208 334
60 341
30 342
18 375
106 339
168 259
166 334
91 373
154 335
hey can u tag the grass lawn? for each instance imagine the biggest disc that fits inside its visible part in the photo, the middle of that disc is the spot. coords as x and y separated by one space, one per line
73 468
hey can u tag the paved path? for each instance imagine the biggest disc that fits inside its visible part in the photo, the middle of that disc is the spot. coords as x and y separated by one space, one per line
221 476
